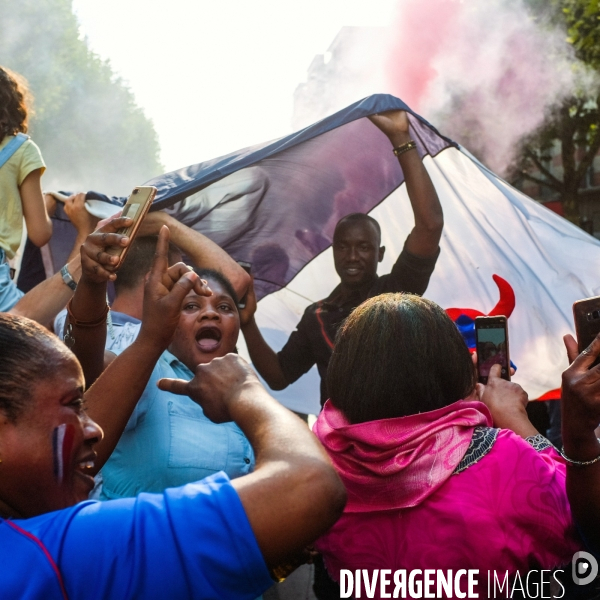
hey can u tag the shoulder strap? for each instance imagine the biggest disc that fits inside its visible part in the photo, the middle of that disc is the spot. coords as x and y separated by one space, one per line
12 147
26 565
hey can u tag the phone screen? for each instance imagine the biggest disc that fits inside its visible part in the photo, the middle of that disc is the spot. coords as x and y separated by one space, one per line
491 348
586 313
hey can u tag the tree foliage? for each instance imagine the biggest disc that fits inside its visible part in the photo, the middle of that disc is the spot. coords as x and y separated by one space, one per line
86 122
575 124
583 22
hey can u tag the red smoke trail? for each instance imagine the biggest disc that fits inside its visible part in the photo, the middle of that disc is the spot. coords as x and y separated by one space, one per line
422 29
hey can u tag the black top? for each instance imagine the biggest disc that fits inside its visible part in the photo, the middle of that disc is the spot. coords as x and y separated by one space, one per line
312 342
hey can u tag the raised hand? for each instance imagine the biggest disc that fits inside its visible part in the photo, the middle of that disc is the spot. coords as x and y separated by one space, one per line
97 265
581 386
394 123
507 401
75 209
165 291
215 386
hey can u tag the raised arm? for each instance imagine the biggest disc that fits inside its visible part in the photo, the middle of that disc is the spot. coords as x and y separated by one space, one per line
39 225
114 395
82 220
291 464
202 252
264 358
47 299
425 236
85 326
580 417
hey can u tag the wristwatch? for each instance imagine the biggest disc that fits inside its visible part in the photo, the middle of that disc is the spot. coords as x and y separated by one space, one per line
67 278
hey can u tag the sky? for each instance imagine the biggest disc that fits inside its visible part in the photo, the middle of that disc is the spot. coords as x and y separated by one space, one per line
215 77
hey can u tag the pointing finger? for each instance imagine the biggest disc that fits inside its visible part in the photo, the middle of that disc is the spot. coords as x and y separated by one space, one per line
161 256
175 386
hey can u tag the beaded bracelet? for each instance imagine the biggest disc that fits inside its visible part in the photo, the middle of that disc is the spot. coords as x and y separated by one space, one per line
405 147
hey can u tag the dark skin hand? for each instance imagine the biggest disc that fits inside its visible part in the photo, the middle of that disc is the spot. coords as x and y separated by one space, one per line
291 464
580 417
507 401
89 300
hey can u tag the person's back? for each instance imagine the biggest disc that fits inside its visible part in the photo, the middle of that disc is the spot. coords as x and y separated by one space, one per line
502 509
21 168
431 484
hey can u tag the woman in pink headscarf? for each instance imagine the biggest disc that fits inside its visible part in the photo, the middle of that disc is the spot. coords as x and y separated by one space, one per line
431 484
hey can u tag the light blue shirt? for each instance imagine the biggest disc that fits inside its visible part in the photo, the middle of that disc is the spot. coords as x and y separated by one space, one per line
121 330
168 442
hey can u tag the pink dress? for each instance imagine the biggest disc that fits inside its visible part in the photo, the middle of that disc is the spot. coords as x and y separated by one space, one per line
417 502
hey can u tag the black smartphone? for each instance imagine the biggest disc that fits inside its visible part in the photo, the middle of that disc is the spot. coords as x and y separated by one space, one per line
492 346
248 268
586 314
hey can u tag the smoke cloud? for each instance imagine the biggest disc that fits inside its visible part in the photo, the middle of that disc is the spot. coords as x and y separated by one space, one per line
485 73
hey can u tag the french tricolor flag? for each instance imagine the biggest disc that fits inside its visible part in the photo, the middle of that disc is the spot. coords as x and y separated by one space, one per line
275 205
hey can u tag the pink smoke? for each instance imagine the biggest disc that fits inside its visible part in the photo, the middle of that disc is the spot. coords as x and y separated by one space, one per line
484 73
421 31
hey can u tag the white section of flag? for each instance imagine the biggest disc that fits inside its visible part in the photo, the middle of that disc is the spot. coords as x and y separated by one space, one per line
490 227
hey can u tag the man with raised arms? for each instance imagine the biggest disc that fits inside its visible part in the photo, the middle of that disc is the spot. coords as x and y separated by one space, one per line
357 251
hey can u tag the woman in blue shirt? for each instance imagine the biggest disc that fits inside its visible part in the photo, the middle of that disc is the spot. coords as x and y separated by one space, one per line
168 441
164 440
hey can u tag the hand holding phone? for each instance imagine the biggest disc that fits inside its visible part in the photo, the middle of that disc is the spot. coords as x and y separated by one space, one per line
491 335
586 314
135 208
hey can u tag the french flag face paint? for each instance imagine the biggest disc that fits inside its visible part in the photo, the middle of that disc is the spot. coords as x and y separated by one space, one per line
62 445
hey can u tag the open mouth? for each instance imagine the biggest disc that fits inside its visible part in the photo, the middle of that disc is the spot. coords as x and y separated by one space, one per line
84 470
208 339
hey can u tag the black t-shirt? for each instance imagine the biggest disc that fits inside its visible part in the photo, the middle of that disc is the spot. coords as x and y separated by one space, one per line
312 341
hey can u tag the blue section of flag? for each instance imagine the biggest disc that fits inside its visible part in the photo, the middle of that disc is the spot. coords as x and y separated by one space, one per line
179 184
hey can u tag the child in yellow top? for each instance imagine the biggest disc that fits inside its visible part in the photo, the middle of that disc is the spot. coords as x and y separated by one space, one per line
20 182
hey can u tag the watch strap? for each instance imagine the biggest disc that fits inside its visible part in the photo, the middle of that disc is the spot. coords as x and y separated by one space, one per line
68 278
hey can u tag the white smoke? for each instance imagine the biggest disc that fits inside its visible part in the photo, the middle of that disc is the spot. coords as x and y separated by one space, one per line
484 73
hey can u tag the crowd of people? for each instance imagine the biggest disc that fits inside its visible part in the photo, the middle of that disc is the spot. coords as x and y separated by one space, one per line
140 456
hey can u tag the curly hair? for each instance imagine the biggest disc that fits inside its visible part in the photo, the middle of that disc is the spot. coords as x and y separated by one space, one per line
14 101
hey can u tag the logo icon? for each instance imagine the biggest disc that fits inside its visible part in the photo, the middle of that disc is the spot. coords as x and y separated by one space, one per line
585 568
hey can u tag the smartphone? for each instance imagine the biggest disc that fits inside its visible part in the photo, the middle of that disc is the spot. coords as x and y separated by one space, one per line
586 314
491 335
248 268
135 208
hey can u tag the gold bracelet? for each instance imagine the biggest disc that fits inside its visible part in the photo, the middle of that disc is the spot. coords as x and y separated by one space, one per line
405 147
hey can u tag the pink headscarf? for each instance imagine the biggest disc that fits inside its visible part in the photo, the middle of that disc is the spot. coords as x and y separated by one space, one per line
396 463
